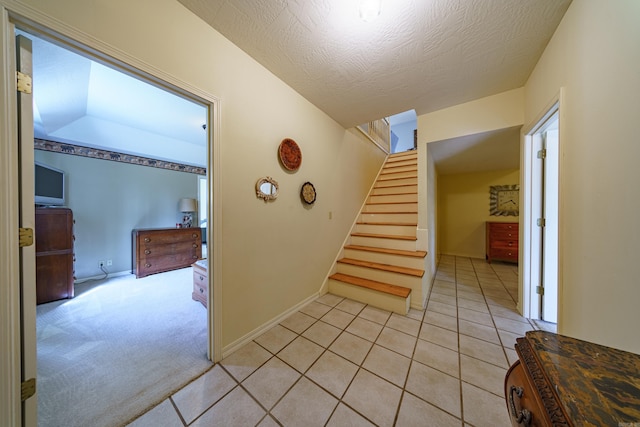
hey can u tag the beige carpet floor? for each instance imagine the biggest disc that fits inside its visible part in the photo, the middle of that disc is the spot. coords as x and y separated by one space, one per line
117 348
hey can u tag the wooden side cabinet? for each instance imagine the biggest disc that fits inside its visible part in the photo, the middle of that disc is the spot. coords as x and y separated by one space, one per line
54 254
200 281
502 241
155 250
563 381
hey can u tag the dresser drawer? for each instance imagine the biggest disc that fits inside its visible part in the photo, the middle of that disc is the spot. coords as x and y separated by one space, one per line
522 401
163 238
505 254
150 251
504 244
503 235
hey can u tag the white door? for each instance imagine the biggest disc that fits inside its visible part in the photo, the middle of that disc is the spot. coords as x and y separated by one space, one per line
27 220
549 247
542 219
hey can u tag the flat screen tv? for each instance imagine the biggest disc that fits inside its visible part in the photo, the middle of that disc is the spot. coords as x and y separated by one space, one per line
49 185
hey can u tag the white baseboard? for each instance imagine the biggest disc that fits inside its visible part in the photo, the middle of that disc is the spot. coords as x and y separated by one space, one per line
226 351
101 277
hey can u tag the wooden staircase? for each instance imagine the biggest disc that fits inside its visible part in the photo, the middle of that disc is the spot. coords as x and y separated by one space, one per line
380 265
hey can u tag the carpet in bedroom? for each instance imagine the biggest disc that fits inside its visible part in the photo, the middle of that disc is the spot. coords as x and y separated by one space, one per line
117 348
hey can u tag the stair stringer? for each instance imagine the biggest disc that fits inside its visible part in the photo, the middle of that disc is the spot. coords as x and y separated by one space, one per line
325 284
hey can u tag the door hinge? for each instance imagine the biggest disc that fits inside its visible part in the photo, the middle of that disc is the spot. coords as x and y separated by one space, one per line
541 222
28 388
26 237
542 154
24 82
539 290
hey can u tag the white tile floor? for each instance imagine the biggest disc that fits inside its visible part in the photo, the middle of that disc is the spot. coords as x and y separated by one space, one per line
337 362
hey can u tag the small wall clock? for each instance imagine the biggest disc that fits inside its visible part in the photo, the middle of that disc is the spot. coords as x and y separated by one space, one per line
504 200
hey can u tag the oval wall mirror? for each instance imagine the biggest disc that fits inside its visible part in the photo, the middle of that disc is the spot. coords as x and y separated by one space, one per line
267 188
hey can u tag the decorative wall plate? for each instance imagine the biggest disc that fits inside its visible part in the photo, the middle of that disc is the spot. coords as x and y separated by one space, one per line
308 193
290 154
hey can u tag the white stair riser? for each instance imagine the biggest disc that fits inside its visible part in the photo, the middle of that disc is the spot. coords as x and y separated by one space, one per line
396 182
393 207
395 190
396 230
403 245
382 258
387 217
402 162
384 177
394 198
377 299
389 277
398 168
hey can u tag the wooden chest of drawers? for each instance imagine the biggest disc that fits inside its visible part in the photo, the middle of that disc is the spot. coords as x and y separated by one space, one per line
562 381
502 241
164 249
200 281
54 254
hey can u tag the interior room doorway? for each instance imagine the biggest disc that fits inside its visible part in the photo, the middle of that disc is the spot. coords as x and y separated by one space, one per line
27 196
541 219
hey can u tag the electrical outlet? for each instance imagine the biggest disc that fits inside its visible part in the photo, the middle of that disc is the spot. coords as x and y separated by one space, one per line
109 262
101 264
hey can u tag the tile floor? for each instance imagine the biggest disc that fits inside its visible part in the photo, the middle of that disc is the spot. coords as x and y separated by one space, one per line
338 362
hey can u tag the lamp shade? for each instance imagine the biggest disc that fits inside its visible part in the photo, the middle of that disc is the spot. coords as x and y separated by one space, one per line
187 205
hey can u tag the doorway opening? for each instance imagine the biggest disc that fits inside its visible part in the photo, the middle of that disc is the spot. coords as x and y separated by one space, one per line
205 125
541 278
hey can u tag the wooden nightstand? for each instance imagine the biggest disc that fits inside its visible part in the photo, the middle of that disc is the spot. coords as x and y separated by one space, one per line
200 281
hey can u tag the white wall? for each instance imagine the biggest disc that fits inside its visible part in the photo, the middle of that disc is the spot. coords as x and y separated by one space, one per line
595 56
109 199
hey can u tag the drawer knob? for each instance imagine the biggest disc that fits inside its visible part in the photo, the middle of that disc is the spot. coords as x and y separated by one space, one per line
194 257
195 246
147 265
146 239
194 235
147 252
201 290
201 278
524 416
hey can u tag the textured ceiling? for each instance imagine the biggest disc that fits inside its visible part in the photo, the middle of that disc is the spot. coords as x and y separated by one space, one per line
418 54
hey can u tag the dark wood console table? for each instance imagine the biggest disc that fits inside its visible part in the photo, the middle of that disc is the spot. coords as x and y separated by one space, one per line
562 381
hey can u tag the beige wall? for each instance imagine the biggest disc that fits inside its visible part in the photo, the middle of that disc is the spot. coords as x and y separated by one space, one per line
463 209
595 56
274 255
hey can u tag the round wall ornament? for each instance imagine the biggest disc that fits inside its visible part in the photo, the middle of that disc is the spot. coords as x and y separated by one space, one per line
308 193
290 154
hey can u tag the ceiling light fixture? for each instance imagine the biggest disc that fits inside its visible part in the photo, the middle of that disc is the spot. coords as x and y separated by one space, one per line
370 9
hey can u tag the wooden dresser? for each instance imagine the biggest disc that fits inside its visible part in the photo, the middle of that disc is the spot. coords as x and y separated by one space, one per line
562 381
502 241
163 249
54 254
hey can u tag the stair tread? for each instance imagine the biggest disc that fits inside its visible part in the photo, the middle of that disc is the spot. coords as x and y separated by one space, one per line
385 267
386 171
386 178
384 236
386 288
391 186
390 203
417 254
387 223
394 194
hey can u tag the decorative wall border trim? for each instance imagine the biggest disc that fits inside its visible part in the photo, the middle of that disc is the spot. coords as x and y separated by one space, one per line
114 156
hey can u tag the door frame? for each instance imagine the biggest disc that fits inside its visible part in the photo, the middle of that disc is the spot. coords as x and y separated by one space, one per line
529 264
10 318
